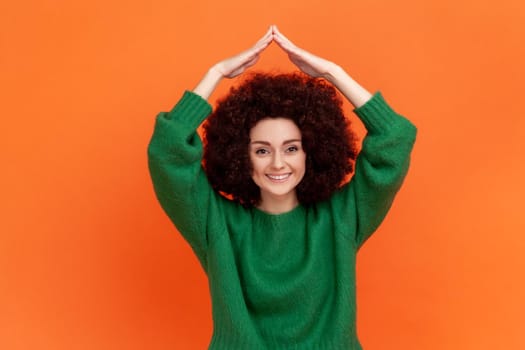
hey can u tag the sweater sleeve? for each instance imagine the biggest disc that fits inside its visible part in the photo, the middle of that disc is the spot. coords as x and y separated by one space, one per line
380 167
174 160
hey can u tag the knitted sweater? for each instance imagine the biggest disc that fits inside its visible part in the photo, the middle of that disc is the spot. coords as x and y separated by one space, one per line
284 281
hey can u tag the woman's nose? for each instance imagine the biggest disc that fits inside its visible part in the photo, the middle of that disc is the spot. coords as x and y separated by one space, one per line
277 160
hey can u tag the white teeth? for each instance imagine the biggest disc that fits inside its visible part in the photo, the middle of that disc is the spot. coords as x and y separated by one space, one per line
278 177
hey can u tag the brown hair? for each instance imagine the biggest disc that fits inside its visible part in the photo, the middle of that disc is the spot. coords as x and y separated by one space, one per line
314 106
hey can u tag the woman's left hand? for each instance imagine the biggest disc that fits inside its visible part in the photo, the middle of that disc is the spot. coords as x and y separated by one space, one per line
307 62
318 67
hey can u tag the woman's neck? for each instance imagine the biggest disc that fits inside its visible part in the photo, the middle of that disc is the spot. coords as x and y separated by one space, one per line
278 205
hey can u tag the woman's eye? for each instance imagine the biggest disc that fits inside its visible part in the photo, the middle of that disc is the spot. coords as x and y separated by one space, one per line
292 149
261 151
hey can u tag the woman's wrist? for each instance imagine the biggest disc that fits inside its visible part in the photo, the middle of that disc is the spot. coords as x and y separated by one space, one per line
355 93
333 73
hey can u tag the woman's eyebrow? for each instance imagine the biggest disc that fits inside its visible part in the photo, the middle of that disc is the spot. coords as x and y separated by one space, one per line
269 144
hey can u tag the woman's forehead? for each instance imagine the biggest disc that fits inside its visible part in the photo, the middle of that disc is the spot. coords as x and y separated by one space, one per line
275 130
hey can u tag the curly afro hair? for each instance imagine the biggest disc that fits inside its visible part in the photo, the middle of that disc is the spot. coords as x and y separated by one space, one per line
311 103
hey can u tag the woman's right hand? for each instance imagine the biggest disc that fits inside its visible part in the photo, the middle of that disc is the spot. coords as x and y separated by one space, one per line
233 66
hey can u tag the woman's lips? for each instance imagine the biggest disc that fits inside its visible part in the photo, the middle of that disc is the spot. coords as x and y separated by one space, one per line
278 177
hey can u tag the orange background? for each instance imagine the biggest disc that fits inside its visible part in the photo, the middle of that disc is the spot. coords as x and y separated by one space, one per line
88 260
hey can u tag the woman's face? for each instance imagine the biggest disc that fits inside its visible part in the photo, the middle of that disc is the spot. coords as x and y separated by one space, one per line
278 159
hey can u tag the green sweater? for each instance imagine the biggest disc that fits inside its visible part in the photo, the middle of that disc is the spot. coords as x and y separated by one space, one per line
283 281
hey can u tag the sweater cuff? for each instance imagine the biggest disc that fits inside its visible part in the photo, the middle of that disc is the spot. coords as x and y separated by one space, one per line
189 106
376 114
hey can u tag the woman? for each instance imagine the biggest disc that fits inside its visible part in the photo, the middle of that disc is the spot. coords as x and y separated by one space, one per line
268 216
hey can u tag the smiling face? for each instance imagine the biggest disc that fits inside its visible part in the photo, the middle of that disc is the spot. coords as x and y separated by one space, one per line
278 162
